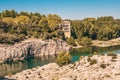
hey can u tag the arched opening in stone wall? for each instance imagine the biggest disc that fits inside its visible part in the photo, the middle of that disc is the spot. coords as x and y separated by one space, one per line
29 52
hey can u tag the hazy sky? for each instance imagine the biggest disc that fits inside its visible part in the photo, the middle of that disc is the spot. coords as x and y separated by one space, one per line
67 9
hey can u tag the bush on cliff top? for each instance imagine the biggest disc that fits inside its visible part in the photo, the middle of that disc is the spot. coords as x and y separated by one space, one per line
84 41
71 41
63 59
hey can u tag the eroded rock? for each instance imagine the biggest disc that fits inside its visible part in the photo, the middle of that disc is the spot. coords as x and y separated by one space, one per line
75 71
31 47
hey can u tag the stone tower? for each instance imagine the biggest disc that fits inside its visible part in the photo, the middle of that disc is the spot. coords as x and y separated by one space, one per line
66 27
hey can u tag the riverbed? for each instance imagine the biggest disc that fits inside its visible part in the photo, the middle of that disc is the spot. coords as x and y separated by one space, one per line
14 67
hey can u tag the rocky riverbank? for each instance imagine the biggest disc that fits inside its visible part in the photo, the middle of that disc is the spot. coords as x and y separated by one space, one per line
37 47
97 67
97 43
31 47
112 42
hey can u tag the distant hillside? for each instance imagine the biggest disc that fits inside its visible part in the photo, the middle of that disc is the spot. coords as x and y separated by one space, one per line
15 27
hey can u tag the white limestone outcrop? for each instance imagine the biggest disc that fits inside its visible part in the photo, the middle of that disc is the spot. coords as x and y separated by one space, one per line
105 68
31 47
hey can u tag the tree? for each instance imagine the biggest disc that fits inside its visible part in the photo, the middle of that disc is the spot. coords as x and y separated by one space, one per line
8 20
24 13
35 20
54 21
84 41
43 22
12 13
76 29
22 20
71 41
0 15
93 32
105 34
47 27
9 13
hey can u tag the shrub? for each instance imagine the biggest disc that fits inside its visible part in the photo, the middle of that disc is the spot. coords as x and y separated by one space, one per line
88 59
107 75
35 35
63 59
102 54
113 60
71 41
103 65
85 41
111 54
9 75
10 38
95 53
114 56
93 61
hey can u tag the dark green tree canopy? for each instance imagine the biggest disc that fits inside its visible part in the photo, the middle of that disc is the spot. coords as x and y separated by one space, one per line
29 25
102 28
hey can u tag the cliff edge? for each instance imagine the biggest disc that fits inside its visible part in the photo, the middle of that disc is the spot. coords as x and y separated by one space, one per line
30 48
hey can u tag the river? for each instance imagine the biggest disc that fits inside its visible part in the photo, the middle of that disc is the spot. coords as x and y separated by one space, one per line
14 67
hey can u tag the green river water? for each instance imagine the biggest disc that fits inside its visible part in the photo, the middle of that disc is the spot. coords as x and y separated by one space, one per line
14 67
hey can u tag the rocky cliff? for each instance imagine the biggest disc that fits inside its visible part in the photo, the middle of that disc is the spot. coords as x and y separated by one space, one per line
31 47
97 67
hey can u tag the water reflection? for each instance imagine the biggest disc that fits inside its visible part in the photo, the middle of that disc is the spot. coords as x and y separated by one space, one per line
13 67
76 53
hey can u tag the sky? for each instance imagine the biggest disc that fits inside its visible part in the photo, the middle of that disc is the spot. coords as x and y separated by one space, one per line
67 9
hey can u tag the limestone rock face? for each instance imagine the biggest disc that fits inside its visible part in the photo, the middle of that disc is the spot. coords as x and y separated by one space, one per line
31 47
105 68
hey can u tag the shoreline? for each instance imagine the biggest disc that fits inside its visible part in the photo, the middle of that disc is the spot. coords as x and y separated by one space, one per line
105 67
31 47
112 42
8 51
97 43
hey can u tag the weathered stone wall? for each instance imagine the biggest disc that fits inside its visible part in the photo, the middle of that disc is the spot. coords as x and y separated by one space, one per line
31 47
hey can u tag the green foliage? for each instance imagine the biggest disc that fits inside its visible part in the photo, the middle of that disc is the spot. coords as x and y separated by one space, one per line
10 39
22 20
95 53
114 56
111 54
47 27
9 13
71 41
54 21
63 59
35 35
102 28
30 25
93 61
103 65
88 59
84 41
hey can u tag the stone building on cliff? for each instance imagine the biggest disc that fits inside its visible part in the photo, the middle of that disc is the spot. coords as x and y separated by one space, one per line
66 27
